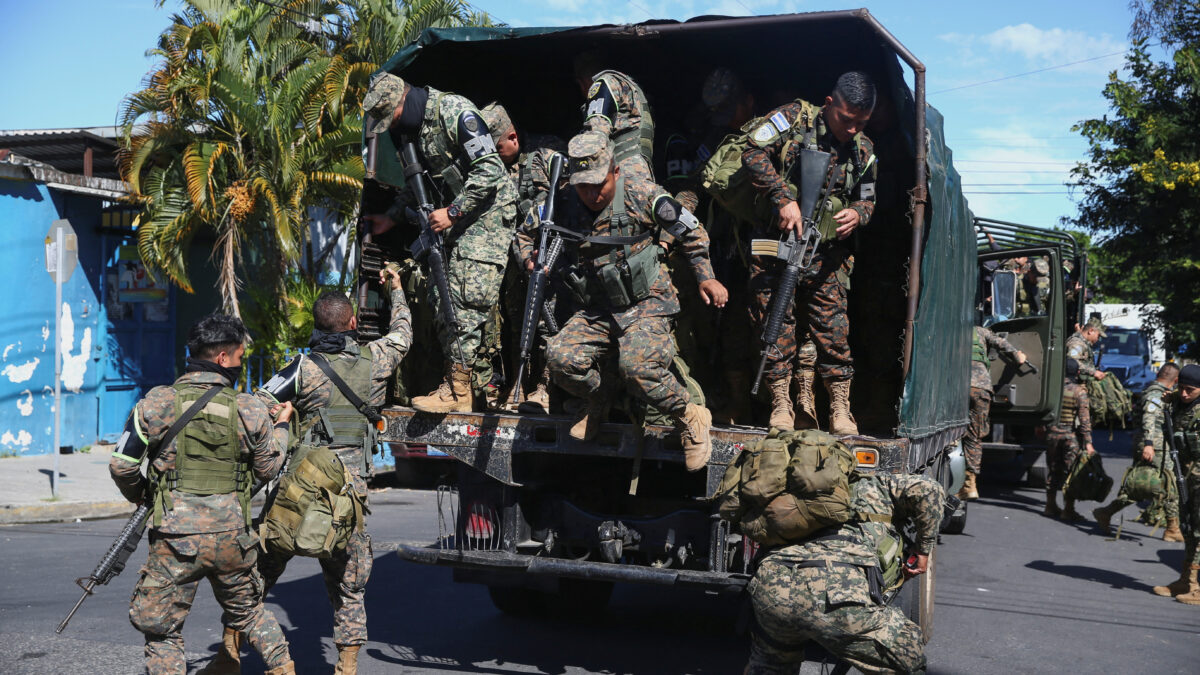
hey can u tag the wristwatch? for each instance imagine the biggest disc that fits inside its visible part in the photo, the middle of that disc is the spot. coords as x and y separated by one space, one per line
454 212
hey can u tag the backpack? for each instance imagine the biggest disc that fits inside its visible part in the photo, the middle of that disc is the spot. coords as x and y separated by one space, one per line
787 486
1087 481
315 507
1142 482
1109 401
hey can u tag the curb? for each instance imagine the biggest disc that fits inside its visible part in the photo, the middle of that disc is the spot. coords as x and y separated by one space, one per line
63 512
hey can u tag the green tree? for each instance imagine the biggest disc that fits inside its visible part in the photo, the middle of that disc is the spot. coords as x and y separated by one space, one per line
1141 182
250 120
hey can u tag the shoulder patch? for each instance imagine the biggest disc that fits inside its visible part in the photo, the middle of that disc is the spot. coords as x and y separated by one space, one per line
1075 352
779 120
764 134
595 89
474 137
1153 404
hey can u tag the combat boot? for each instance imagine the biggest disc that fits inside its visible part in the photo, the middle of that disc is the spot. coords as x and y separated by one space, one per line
1103 516
594 414
782 414
228 660
841 422
453 395
288 668
1184 584
968 491
1192 596
1069 515
694 427
347 660
538 401
1172 533
1051 509
806 405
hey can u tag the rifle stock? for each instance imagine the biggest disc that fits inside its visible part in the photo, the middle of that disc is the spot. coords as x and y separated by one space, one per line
429 246
549 248
797 250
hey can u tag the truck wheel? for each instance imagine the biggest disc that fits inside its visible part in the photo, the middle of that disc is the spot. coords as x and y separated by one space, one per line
581 598
956 522
518 601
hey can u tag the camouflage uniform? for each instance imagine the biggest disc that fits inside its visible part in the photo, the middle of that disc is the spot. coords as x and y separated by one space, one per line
981 393
617 108
1080 349
1066 437
640 333
477 244
818 589
346 572
196 537
823 289
1186 420
1150 432
1033 288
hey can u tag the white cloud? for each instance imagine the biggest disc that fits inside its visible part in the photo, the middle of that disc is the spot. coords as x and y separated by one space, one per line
1051 46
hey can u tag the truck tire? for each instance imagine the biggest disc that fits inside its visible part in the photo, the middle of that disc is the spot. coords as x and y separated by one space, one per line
956 522
516 601
581 598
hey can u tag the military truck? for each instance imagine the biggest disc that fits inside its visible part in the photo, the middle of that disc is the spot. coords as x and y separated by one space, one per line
1035 305
545 520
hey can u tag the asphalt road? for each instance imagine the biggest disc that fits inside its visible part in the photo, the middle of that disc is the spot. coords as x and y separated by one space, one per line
1017 593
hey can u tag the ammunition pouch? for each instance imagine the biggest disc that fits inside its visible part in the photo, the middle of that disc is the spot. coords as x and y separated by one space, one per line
618 284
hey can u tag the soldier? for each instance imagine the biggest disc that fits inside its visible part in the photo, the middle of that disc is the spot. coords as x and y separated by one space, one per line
1079 347
614 223
199 483
982 340
818 589
457 148
1034 289
1063 440
329 418
836 128
1185 414
528 158
1149 449
617 108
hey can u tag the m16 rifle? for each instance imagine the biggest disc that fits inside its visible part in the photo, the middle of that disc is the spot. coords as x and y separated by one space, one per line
1185 521
113 562
428 247
796 249
549 249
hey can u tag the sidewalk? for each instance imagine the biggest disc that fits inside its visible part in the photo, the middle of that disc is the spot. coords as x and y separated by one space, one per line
85 490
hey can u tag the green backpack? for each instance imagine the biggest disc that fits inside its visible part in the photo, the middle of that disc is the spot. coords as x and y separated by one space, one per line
1087 480
1109 401
787 486
315 509
1142 482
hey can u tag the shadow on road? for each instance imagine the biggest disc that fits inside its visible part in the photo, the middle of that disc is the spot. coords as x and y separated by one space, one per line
1104 576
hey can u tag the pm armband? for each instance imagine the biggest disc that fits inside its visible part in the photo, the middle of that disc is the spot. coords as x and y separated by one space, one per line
131 446
673 218
600 102
474 137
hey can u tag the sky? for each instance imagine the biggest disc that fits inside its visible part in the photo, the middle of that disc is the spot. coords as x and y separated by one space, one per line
1011 138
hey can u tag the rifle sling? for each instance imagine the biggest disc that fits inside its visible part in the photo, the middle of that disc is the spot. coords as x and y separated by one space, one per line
367 411
573 236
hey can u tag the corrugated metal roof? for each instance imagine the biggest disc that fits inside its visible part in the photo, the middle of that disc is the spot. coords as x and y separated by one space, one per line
13 165
66 149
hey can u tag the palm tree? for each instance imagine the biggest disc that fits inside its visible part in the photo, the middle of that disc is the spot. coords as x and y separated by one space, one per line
250 120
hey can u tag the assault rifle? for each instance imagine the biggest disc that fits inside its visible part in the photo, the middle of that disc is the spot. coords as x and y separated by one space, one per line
1185 521
549 248
428 247
113 562
796 248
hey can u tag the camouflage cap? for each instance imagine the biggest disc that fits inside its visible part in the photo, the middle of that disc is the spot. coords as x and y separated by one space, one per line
384 93
591 156
721 93
1096 323
1042 267
497 120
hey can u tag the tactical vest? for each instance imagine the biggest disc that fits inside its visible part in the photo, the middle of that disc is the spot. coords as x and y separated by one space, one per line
803 131
636 140
208 456
339 424
621 276
979 350
1070 408
1187 434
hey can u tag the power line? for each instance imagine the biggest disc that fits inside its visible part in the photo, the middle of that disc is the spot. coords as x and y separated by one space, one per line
1034 72
1063 162
989 192
1018 171
1014 184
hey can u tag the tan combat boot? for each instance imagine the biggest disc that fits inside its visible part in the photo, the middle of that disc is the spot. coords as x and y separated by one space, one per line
841 422
1185 583
453 395
347 660
806 404
228 660
694 433
1069 514
1051 509
288 668
1103 516
782 414
594 414
968 491
538 400
1172 533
